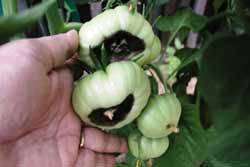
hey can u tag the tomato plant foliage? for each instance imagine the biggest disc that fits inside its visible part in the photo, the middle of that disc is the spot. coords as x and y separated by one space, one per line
224 84
184 18
214 126
225 72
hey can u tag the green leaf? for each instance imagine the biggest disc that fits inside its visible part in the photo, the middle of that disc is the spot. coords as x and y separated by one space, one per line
86 1
111 4
184 18
225 86
72 13
151 4
218 3
1 8
13 24
130 161
124 131
232 144
189 147
158 2
182 34
153 84
104 56
124 165
238 25
213 162
241 18
224 82
186 56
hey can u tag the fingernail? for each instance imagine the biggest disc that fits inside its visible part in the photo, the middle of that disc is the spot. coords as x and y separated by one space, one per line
73 38
72 33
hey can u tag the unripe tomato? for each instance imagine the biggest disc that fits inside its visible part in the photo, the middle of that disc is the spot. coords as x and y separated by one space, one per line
112 98
146 148
160 117
120 27
168 68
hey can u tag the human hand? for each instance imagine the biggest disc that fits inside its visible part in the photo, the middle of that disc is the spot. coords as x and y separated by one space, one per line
37 123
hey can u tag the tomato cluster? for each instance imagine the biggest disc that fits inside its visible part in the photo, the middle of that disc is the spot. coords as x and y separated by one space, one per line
158 120
121 93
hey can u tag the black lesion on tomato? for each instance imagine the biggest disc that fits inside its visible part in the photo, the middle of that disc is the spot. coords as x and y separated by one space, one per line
120 112
121 46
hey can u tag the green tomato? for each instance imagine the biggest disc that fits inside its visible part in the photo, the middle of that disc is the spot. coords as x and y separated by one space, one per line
146 148
170 51
160 117
173 63
112 98
123 25
168 68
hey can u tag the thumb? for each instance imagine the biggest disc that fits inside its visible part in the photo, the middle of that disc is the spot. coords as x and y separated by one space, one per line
51 51
55 50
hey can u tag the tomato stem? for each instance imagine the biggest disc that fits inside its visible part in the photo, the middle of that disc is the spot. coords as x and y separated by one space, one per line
138 163
72 25
150 163
173 128
160 85
133 5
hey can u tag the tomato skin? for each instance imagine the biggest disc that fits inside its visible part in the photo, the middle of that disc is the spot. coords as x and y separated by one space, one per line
146 148
104 25
160 117
104 89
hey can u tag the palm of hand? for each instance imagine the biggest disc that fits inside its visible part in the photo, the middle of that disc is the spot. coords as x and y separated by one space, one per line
39 126
51 137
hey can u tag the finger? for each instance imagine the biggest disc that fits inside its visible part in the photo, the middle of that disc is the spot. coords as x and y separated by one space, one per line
105 160
61 85
89 158
96 140
51 51
77 68
55 50
73 59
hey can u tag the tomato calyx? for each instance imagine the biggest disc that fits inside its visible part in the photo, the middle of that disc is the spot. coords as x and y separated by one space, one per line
160 85
172 128
112 115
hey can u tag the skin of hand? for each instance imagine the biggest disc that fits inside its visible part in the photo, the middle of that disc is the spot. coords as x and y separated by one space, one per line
38 127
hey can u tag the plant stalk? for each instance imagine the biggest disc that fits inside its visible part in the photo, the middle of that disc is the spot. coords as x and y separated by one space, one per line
220 16
72 25
55 20
199 8
10 8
